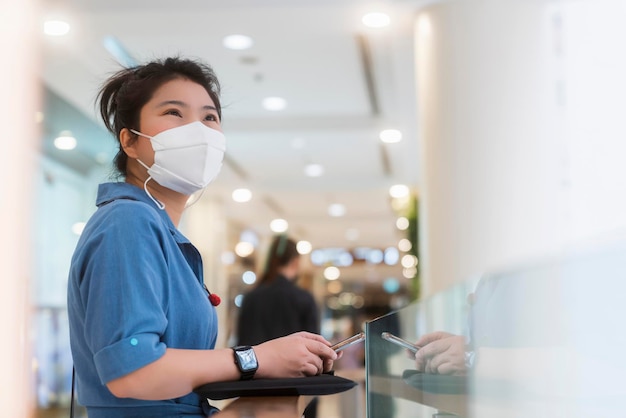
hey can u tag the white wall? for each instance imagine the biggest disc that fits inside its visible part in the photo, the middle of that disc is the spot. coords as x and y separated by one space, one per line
519 114
521 117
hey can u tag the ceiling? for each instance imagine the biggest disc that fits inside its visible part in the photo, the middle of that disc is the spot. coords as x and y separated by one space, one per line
343 83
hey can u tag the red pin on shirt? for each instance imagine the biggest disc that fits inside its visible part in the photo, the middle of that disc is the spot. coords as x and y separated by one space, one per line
213 298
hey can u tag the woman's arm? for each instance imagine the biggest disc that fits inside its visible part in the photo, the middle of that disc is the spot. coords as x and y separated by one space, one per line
178 372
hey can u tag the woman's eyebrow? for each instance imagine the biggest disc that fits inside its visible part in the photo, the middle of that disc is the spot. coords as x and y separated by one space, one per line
183 104
209 107
172 102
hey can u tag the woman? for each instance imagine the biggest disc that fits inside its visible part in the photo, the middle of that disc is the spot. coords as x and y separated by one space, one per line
142 329
277 307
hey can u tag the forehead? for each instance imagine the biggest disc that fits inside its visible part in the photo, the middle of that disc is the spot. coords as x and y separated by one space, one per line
182 90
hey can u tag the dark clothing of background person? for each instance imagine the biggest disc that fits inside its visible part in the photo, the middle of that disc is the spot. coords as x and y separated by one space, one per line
276 306
276 309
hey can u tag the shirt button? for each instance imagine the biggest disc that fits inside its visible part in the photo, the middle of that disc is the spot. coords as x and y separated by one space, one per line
133 341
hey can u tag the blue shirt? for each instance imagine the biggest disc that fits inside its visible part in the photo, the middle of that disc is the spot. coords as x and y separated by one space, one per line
135 288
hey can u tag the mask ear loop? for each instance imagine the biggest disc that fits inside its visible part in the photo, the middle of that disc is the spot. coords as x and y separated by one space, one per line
145 183
145 188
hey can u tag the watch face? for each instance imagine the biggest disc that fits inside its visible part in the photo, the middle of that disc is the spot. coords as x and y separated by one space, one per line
247 359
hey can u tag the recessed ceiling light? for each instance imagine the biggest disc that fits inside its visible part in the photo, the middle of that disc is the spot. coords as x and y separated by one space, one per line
405 245
390 136
376 20
244 249
336 210
274 103
408 261
279 225
304 247
237 42
331 273
65 141
402 223
398 191
248 277
242 195
391 256
314 170
56 28
409 273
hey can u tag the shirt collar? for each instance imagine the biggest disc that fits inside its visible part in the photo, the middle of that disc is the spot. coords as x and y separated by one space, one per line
109 192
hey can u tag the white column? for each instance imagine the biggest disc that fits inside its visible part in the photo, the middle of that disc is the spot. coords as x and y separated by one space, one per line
521 110
20 90
489 116
521 115
594 80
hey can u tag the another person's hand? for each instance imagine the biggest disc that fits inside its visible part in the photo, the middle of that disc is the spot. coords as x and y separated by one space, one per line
296 355
441 353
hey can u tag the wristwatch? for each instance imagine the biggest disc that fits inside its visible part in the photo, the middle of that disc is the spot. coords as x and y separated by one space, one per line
246 361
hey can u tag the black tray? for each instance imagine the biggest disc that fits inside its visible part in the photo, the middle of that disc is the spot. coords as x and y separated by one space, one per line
324 384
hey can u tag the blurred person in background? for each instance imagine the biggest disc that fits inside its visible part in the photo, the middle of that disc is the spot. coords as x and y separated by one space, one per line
277 306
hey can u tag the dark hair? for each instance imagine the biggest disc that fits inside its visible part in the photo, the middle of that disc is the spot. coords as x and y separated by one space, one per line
124 94
282 251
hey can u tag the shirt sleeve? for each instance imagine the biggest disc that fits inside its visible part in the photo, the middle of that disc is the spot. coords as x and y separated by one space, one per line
124 289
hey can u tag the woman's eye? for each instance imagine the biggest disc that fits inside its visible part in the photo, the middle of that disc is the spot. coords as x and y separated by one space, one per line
212 117
173 112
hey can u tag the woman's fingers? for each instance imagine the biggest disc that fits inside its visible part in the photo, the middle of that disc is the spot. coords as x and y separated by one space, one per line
442 356
299 354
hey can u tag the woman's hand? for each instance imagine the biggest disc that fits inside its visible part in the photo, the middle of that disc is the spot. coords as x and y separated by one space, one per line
296 355
441 353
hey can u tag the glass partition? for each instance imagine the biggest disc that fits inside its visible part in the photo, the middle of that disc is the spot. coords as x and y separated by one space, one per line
391 392
541 340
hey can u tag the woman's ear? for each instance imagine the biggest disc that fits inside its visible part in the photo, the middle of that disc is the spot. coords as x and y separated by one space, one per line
128 141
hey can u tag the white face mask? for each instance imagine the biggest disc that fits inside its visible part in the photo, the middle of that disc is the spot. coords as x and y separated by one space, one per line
186 158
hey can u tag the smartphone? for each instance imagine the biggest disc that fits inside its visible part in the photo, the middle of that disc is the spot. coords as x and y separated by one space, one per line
341 345
399 341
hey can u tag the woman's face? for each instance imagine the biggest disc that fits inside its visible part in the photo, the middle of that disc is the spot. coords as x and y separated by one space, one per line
177 102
